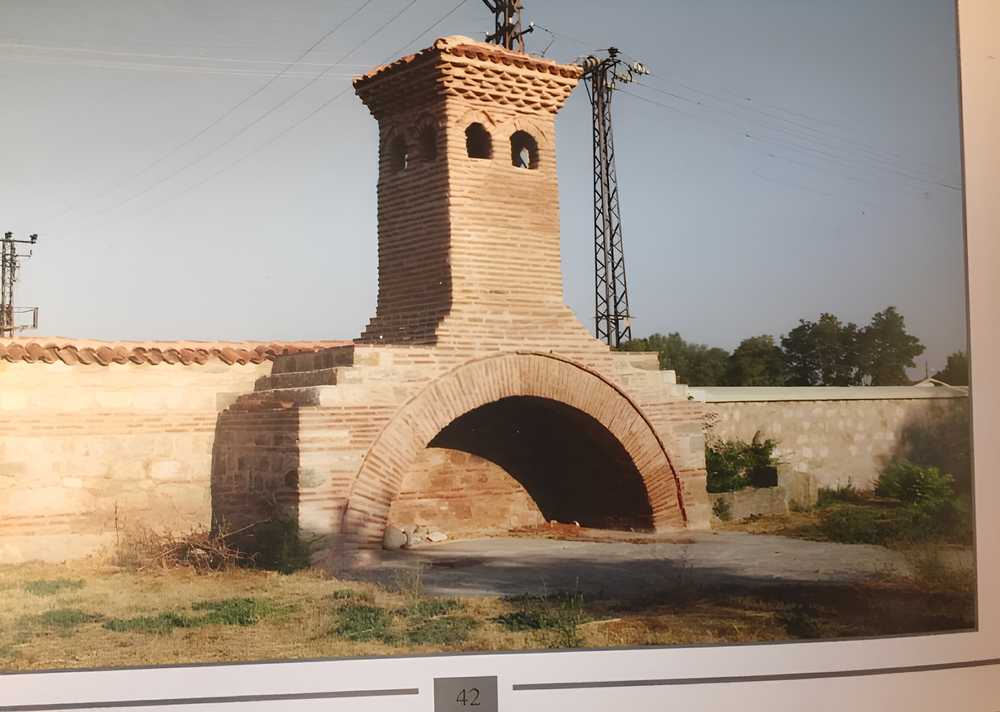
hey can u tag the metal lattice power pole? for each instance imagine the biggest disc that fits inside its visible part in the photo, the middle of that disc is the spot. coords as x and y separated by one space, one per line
507 28
611 313
9 265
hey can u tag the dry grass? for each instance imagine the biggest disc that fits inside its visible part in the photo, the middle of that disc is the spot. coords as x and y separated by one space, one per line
111 617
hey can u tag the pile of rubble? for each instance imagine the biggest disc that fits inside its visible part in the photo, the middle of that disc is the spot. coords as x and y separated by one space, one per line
410 536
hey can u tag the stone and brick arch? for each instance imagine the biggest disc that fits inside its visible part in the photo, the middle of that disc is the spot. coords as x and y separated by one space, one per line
538 379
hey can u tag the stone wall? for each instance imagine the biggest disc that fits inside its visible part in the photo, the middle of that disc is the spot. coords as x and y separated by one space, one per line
835 435
749 502
86 446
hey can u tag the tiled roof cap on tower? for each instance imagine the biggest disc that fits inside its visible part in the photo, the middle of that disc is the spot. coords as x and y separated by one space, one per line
474 72
460 46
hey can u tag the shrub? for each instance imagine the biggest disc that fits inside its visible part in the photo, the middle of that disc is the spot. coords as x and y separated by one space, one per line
278 546
855 525
911 483
731 462
842 493
139 548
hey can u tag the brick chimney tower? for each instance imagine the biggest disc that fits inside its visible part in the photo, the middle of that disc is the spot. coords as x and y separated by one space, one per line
468 205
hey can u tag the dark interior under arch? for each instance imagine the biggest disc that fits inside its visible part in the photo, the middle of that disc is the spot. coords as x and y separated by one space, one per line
571 465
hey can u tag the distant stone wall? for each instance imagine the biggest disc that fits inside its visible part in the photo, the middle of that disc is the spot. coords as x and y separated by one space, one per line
84 446
834 435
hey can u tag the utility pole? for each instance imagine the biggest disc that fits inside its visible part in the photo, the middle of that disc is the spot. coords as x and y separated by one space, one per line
613 322
507 30
9 265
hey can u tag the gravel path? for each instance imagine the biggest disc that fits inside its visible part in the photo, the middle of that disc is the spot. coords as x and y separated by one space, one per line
510 566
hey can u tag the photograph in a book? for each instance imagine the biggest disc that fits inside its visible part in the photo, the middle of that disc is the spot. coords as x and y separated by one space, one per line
392 328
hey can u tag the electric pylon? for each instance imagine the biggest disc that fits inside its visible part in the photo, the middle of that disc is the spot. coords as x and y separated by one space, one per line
612 320
9 265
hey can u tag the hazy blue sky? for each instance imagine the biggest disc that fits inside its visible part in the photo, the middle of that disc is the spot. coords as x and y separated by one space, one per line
787 157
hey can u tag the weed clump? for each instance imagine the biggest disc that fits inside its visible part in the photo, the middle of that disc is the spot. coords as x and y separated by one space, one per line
559 614
360 623
66 618
721 509
234 611
848 494
50 587
140 548
159 624
442 631
800 621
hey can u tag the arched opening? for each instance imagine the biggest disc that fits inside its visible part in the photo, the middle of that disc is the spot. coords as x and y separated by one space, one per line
523 150
519 461
399 154
478 143
427 141
449 409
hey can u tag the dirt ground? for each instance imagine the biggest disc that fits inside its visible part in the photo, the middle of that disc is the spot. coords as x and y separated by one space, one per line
501 595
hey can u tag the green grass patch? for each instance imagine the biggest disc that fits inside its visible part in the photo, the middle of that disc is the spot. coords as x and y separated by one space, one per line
159 624
361 622
431 607
348 594
50 587
442 631
558 614
235 611
65 618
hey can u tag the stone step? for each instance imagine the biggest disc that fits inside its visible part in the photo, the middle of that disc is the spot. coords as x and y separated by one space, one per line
303 379
314 360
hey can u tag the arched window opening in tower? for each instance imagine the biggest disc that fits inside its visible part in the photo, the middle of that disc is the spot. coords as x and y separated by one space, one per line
523 150
427 140
399 154
478 143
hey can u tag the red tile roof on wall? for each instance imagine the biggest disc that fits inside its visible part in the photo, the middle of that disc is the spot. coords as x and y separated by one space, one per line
103 353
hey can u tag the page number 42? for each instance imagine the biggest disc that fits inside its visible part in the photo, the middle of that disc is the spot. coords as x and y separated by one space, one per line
468 697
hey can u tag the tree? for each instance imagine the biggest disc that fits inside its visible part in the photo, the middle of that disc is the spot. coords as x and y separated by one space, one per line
757 361
823 353
695 364
887 350
955 371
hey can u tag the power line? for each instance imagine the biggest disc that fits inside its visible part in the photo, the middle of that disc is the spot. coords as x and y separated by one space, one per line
743 100
284 132
430 27
229 112
147 55
886 157
798 147
151 67
246 127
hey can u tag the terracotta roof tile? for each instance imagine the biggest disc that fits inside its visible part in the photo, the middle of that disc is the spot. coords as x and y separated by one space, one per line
87 352
466 47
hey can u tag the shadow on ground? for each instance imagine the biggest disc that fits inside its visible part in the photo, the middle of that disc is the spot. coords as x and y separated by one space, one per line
622 570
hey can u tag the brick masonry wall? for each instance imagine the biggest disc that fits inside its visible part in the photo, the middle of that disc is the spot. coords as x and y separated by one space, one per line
462 494
834 441
80 443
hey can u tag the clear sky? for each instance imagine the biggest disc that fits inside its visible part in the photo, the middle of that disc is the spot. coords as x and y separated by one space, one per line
786 157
